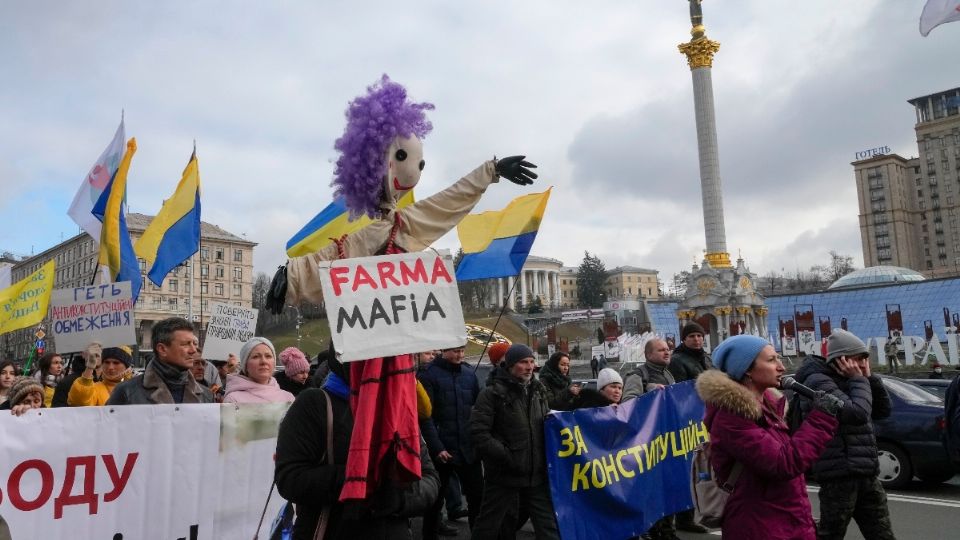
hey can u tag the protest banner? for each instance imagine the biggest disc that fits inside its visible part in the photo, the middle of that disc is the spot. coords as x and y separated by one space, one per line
228 329
614 471
392 304
154 471
101 313
24 304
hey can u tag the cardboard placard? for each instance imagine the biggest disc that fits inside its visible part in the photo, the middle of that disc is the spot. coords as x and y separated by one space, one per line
392 304
101 313
228 329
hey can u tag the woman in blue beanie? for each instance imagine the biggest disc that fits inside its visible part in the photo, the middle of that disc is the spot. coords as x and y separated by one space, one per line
745 417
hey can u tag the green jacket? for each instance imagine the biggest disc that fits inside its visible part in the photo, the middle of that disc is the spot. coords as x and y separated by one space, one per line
687 364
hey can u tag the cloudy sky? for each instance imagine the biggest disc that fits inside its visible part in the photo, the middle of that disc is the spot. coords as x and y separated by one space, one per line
595 93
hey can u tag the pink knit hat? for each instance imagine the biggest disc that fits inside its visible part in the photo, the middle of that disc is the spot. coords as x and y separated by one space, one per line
294 362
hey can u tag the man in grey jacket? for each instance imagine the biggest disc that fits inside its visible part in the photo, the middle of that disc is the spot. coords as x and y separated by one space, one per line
167 378
651 375
847 469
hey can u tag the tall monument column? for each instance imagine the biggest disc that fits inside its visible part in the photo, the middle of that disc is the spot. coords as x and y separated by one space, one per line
699 52
718 289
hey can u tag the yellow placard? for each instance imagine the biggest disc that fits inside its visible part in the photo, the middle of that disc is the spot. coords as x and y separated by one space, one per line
25 303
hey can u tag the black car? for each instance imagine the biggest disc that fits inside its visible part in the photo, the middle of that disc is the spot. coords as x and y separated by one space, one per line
937 387
910 441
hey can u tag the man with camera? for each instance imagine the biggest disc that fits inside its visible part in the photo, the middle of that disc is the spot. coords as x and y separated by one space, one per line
847 469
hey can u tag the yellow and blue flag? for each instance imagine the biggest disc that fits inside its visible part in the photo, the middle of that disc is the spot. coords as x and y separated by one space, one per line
174 234
116 250
332 222
496 244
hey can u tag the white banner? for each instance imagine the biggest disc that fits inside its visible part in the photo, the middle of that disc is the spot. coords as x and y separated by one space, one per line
139 471
392 304
101 313
228 329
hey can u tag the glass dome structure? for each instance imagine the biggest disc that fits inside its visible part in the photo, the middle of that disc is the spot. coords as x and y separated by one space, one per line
877 275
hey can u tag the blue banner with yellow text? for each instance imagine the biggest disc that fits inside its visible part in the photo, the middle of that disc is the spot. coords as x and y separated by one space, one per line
614 471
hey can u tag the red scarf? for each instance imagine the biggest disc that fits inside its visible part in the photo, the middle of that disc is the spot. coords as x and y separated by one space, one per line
385 442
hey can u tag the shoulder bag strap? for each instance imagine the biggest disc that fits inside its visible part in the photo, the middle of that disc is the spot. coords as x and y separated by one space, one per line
734 475
324 520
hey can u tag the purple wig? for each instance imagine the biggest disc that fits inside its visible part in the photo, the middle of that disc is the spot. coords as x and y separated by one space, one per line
374 120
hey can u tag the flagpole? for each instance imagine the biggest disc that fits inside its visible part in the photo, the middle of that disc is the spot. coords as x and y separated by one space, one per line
493 330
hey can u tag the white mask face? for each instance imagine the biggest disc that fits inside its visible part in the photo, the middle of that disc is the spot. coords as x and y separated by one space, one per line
405 161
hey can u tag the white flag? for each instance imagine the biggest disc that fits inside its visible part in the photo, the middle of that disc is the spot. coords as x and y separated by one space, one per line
94 184
5 280
937 12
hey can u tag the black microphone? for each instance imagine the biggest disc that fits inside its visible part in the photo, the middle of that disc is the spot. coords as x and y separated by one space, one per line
789 383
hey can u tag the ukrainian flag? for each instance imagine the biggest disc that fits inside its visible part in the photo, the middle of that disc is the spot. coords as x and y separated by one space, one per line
332 222
174 234
116 250
496 244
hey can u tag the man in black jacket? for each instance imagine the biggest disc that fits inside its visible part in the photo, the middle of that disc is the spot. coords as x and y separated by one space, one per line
507 431
690 360
453 389
687 362
847 469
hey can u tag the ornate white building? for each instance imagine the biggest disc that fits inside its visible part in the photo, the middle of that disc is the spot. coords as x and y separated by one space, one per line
540 278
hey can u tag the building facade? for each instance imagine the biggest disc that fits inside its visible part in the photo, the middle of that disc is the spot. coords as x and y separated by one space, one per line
220 272
632 282
910 208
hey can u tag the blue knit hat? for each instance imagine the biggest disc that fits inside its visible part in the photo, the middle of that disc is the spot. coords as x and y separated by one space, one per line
736 354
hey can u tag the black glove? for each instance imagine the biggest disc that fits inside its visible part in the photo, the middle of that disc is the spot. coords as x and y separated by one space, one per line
516 170
828 403
277 294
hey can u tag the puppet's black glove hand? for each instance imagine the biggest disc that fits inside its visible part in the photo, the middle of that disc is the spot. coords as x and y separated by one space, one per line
277 294
516 170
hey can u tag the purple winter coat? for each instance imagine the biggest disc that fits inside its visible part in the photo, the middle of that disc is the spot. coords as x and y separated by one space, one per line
769 501
242 390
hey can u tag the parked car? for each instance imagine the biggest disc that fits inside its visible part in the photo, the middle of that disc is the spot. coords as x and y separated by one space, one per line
910 440
587 383
937 387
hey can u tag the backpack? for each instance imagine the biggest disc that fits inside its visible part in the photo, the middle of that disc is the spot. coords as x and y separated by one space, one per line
709 495
794 413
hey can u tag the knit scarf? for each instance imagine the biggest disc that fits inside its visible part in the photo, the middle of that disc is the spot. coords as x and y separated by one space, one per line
552 377
175 378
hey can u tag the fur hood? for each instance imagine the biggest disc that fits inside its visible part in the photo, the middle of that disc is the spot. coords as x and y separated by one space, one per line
717 389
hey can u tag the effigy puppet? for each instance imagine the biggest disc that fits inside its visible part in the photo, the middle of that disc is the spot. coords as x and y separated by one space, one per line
381 158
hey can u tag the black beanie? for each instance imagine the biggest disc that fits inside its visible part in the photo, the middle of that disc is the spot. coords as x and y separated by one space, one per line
691 328
515 353
117 354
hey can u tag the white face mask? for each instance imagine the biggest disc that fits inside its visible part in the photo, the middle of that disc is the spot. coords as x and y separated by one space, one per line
404 163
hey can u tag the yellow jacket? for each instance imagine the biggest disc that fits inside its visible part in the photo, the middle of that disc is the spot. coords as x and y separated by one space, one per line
86 393
424 407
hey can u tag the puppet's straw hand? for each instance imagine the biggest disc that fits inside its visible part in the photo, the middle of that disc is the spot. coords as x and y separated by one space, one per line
515 169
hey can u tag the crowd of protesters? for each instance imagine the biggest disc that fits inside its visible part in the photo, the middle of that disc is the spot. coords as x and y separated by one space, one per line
482 437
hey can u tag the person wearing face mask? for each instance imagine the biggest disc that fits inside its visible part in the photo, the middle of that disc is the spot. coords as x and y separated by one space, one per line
506 427
255 383
936 372
751 445
295 376
85 392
